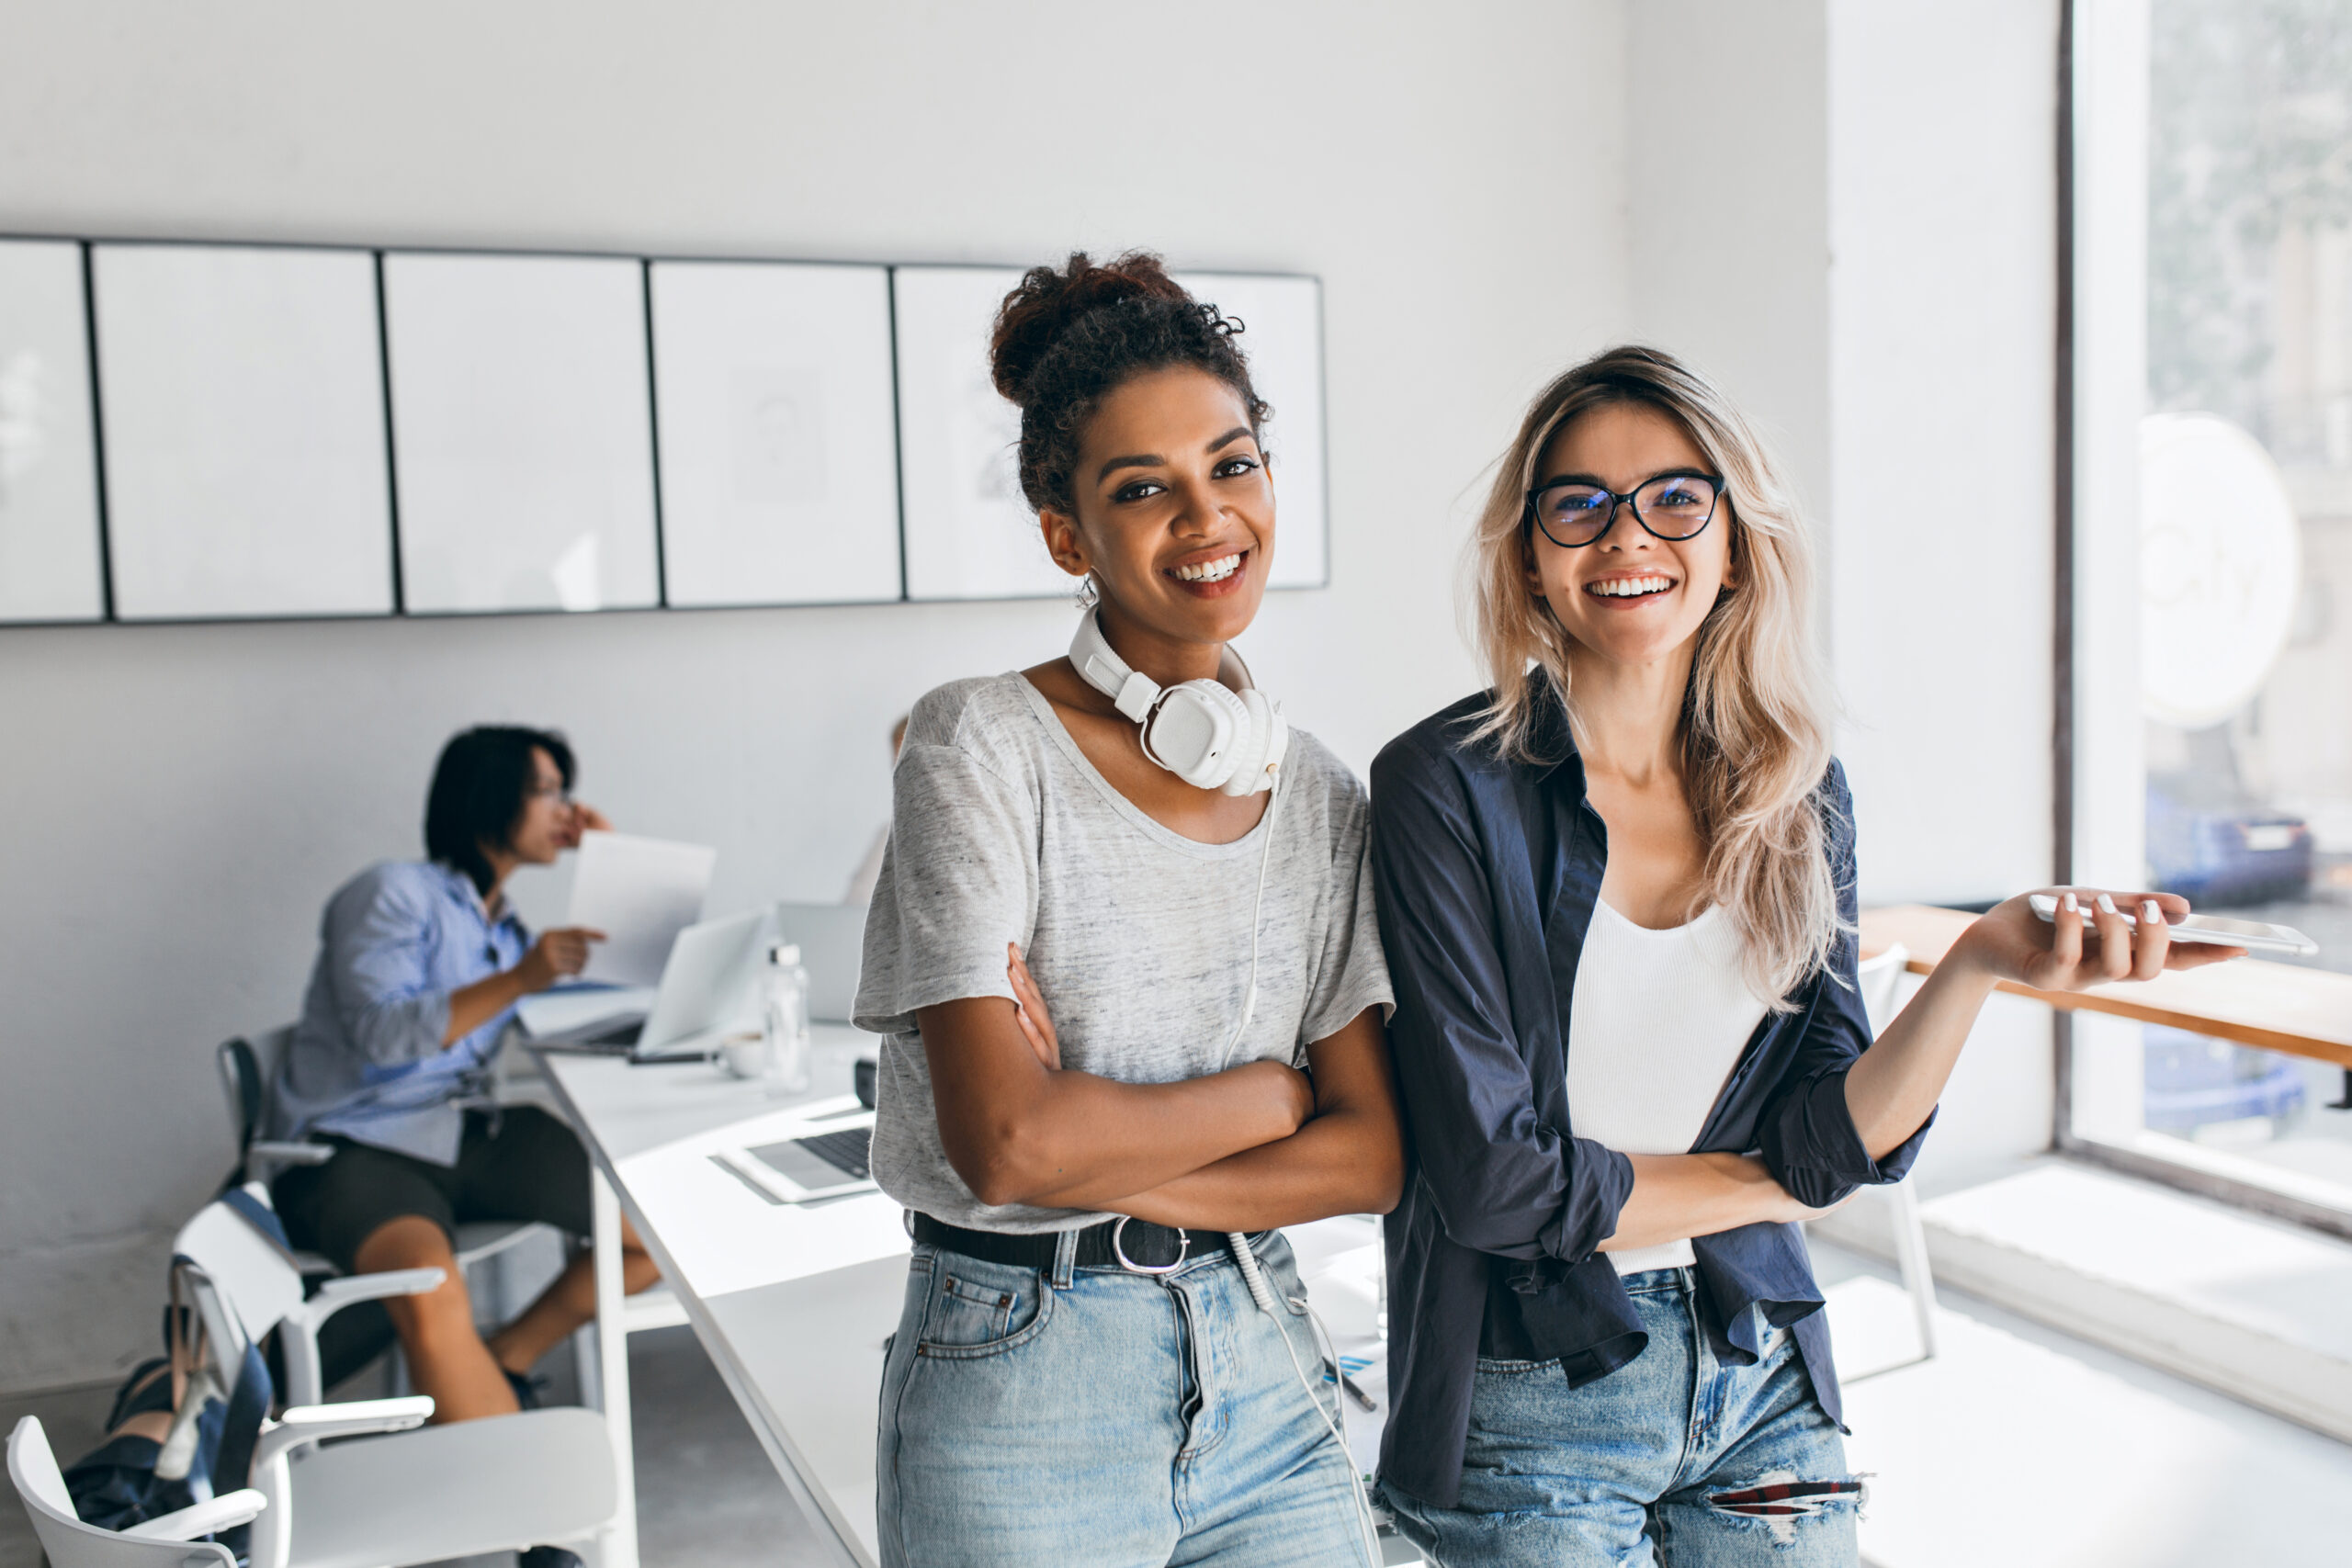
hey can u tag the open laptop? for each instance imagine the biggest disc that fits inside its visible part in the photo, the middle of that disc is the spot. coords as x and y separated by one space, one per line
832 946
709 986
830 1160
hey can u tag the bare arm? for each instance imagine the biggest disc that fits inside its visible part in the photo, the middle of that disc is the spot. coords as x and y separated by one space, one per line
1675 1197
1349 1158
1020 1129
557 953
1890 1090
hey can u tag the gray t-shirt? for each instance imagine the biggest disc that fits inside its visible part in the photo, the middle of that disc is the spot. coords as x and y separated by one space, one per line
1138 937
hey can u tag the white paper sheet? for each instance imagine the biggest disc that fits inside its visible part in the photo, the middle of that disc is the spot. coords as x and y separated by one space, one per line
640 893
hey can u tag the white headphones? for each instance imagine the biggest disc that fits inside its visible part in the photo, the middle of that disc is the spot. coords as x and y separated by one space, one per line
1205 732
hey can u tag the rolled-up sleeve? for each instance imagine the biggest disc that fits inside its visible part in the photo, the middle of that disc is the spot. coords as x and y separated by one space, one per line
1806 1134
1502 1181
377 939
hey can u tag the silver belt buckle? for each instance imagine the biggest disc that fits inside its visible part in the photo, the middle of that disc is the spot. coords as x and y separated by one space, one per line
1183 1250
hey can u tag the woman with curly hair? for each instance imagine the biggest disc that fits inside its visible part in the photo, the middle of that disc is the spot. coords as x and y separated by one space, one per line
1102 1356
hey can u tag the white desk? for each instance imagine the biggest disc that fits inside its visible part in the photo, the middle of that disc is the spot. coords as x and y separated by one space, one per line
792 1303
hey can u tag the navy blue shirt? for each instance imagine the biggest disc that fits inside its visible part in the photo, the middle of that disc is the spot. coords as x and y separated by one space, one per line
1486 872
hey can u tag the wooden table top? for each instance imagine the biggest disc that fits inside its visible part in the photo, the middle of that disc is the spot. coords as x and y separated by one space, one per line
2279 1007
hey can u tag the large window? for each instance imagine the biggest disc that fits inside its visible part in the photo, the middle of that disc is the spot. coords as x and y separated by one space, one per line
2245 552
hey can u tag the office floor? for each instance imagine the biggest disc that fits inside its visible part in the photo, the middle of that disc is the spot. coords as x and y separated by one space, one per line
706 1496
2025 1447
2076 1457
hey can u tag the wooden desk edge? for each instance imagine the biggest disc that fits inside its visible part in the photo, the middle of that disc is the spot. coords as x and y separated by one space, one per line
1948 924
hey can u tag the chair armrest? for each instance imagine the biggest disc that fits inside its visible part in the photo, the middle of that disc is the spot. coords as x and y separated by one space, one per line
289 1153
306 1423
300 1324
210 1518
349 1290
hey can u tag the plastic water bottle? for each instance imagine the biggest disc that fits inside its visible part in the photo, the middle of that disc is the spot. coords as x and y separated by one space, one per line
784 1017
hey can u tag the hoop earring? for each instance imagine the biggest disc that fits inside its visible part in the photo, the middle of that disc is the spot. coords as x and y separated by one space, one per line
1087 594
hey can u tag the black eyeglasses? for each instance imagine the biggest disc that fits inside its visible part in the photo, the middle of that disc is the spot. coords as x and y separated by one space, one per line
1673 506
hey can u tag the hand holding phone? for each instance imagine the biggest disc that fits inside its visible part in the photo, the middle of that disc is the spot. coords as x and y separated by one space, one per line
2084 937
2255 936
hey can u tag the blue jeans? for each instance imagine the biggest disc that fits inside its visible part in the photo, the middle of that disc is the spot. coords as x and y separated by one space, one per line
1675 1458
1094 1415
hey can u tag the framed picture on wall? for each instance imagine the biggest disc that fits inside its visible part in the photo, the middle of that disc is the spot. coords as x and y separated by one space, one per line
1281 318
50 558
521 431
969 535
242 391
778 441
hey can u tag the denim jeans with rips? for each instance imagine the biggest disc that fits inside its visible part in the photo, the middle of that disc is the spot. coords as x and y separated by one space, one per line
1096 1415
1677 1458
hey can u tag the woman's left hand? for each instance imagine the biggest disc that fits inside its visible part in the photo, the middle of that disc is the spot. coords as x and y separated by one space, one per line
2088 944
586 818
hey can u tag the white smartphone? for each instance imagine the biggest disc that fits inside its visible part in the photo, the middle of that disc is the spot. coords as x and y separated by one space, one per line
2255 936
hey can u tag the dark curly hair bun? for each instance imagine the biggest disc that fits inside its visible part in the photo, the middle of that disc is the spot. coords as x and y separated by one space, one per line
1066 339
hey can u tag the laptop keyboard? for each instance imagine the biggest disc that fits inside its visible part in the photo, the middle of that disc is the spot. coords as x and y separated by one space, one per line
844 1151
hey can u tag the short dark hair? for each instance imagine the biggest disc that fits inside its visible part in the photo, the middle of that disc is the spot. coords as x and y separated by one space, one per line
478 793
1065 340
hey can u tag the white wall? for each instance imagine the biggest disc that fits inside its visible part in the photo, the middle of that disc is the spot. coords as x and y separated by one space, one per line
180 800
1727 138
1942 322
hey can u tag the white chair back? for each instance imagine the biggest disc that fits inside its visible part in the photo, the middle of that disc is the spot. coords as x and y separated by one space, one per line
256 1283
1880 977
69 1543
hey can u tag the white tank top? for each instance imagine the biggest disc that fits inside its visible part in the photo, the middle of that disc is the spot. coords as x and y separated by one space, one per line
1657 1024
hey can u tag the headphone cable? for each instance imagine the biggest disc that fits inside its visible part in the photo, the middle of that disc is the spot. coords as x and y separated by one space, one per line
1246 1259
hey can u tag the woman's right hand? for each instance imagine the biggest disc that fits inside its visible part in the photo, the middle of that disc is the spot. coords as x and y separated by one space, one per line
558 954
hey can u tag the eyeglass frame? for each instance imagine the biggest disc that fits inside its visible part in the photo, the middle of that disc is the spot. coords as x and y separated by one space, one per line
1529 518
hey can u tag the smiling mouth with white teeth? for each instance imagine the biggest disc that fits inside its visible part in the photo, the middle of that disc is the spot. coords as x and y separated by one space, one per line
1216 570
1629 587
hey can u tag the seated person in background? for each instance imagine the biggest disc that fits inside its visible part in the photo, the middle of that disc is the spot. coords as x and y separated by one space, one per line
869 870
420 965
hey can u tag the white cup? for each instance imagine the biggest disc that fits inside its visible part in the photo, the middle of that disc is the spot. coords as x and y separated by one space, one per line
744 1055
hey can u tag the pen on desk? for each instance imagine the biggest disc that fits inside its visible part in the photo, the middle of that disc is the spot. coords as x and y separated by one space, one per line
1355 1390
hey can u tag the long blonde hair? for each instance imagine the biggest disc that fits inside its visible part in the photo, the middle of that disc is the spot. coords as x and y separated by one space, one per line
1754 738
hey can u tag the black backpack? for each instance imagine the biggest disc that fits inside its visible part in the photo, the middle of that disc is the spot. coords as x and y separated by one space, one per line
175 1437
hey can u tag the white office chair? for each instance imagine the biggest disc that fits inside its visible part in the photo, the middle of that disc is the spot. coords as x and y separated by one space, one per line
541 1477
248 1066
247 1070
167 1542
1880 977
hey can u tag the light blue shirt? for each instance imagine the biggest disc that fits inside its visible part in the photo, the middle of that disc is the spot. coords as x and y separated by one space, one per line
366 1060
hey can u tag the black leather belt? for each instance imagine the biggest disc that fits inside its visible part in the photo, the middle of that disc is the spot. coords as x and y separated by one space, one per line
1147 1248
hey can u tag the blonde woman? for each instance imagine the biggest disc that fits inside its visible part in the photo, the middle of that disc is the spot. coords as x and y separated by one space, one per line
1616 891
